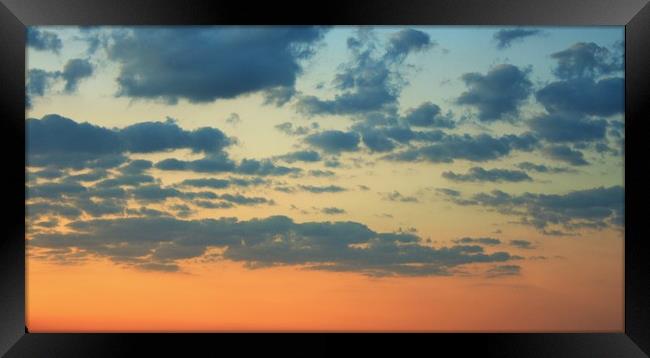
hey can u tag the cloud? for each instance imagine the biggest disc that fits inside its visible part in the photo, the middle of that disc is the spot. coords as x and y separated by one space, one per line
397 196
209 164
332 211
595 208
220 163
39 81
279 96
478 174
561 127
586 60
504 270
233 119
428 115
288 128
264 168
74 71
212 183
334 141
371 81
40 209
522 244
407 41
322 189
301 156
43 40
55 137
480 148
149 137
584 96
478 240
497 94
137 166
244 200
55 190
321 173
565 154
277 240
506 37
225 62
126 180
541 168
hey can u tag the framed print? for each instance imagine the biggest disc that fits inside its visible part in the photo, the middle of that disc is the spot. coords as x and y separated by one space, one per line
467 174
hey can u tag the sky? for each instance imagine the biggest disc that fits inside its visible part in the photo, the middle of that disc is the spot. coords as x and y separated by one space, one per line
440 179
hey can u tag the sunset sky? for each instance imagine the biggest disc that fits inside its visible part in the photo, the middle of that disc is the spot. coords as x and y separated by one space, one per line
324 179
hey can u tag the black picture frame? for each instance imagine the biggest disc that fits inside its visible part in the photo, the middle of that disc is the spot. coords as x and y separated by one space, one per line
15 15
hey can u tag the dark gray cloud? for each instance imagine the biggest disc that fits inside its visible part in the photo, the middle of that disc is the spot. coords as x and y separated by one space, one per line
506 37
301 156
504 270
220 163
321 173
480 148
333 211
217 163
566 154
279 96
278 240
37 210
132 180
90 176
233 119
212 183
568 128
39 81
63 141
478 240
586 60
596 208
541 168
47 173
289 129
478 174
322 189
522 244
407 41
246 182
43 40
225 62
148 137
377 140
584 96
334 141
213 204
74 71
55 190
264 168
244 200
397 196
137 166
497 94
428 115
371 80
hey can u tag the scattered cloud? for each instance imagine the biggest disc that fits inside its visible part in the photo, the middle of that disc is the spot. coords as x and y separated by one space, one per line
225 63
158 242
333 211
497 94
506 37
42 40
478 174
595 208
